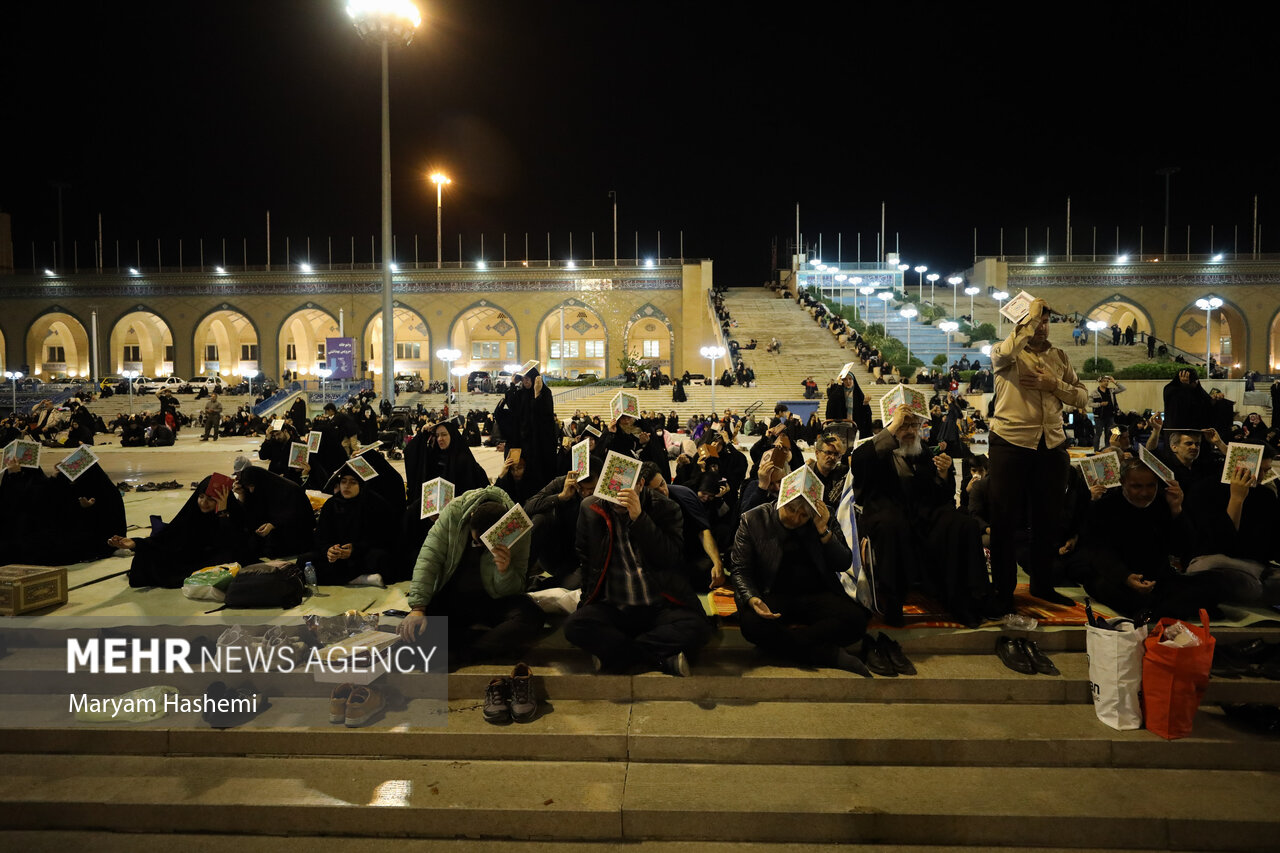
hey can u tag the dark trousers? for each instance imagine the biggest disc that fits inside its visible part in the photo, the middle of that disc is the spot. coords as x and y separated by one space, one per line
648 634
1027 490
1102 425
509 624
811 628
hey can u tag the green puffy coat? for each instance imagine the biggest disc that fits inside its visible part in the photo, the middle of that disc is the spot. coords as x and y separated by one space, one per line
447 542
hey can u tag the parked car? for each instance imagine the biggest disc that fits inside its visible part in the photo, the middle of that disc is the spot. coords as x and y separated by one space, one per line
408 382
476 379
209 383
169 383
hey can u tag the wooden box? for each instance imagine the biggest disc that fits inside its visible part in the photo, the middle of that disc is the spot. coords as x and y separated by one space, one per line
27 588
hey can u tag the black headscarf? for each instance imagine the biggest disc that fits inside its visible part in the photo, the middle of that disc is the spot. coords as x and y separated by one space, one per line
284 505
72 533
192 541
424 461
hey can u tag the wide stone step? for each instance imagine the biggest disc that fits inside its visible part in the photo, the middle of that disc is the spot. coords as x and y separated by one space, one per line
1088 807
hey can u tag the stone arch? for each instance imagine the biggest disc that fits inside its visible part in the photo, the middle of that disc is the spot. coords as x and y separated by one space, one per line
410 329
645 324
1273 345
228 330
1121 311
487 336
584 328
141 332
4 354
305 330
57 327
1229 337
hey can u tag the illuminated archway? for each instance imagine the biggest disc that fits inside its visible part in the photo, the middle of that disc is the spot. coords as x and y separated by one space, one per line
141 340
302 337
226 343
57 343
412 340
486 336
650 337
1228 333
1122 312
585 336
1273 346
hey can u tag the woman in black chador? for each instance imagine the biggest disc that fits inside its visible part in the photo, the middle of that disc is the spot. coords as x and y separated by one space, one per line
441 451
277 516
355 534
527 419
205 532
77 519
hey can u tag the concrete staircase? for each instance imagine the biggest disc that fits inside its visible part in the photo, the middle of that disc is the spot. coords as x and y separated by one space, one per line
966 753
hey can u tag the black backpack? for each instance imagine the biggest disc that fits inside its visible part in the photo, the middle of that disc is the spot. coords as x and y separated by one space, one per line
267 585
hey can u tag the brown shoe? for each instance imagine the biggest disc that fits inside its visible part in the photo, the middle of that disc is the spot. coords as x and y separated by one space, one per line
364 706
524 703
338 703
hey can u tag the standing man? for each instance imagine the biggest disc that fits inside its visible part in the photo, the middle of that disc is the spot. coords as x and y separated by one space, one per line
1104 410
212 417
1028 450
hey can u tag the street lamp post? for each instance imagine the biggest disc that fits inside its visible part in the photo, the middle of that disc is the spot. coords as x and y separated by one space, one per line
1000 296
13 376
933 280
920 271
439 180
971 292
902 268
948 326
1208 304
385 21
866 294
907 313
249 374
448 356
1095 326
955 281
713 353
129 376
324 373
885 296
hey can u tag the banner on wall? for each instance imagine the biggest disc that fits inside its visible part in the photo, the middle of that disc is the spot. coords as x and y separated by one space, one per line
341 355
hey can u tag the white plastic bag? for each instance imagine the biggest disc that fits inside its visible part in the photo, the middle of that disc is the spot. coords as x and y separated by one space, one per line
1115 672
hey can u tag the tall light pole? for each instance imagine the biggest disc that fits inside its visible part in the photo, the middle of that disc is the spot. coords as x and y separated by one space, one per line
902 268
920 271
385 21
249 374
948 326
933 280
713 353
955 281
907 313
885 296
1000 296
439 180
448 356
324 373
1095 326
1208 304
13 376
971 292
129 376
866 292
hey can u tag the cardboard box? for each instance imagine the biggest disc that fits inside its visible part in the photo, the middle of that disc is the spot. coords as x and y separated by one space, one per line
27 588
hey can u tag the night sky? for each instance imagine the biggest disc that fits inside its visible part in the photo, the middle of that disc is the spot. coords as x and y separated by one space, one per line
192 120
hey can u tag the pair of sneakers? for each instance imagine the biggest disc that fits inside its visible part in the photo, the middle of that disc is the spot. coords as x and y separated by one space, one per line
355 706
511 697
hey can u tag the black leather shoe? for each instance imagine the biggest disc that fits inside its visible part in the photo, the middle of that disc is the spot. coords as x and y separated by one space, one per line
1013 656
1039 660
892 652
875 661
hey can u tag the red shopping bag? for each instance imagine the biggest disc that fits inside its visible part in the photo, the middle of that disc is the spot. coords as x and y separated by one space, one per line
1174 679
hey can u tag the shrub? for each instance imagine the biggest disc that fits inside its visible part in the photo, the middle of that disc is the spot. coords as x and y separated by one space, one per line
1098 366
940 360
1162 370
983 332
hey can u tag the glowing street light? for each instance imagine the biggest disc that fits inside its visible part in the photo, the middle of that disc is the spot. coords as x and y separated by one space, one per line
1095 326
907 313
1208 304
13 376
448 356
971 292
955 281
249 374
920 271
933 280
324 373
948 326
129 376
885 296
713 353
439 180
1000 296
385 21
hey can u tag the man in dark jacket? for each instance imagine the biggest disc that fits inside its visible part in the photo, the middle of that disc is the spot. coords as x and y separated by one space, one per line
636 606
554 513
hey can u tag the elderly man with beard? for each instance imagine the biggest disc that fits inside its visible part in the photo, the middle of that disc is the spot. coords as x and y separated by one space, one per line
1028 452
1130 535
918 535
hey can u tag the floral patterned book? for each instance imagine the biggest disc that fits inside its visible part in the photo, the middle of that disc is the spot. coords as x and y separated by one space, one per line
1246 456
620 472
362 467
580 456
508 529
800 483
298 454
1163 471
313 441
903 395
436 495
26 452
77 463
624 404
1101 469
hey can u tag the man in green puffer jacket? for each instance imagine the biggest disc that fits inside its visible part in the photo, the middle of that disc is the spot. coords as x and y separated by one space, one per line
457 577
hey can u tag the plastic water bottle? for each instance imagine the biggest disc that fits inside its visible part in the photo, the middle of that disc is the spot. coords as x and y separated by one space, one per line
309 572
1018 622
